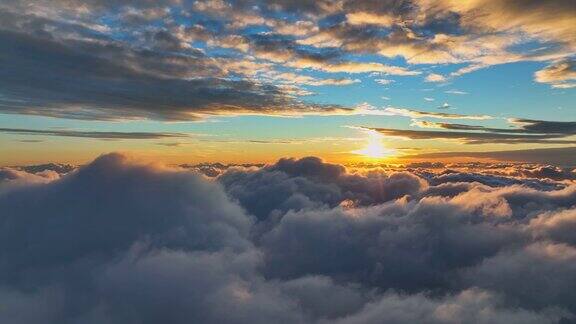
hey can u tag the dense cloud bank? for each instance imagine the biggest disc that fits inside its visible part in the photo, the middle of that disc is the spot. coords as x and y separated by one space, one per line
299 241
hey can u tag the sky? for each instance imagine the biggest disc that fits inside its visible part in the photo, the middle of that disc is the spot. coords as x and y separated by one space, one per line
253 81
287 161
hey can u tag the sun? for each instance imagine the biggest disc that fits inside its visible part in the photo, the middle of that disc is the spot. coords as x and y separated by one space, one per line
374 148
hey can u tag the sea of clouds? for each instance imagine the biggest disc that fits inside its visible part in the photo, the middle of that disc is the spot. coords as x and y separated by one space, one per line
298 241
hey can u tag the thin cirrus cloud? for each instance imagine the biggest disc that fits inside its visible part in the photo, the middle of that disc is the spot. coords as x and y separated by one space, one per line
438 115
92 134
523 130
522 126
140 60
476 138
526 131
456 92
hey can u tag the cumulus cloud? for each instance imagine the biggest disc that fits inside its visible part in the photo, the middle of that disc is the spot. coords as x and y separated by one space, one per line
310 183
560 74
14 178
298 241
434 77
472 305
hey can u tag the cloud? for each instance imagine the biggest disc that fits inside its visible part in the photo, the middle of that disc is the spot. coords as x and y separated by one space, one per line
433 77
122 83
456 92
428 124
292 78
529 126
553 259
526 130
472 305
310 183
351 67
549 20
134 60
11 178
91 134
424 114
560 156
556 226
384 81
566 85
559 74
542 126
59 168
170 144
298 241
476 138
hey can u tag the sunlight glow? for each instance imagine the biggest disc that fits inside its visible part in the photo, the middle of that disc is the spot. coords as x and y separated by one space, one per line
375 149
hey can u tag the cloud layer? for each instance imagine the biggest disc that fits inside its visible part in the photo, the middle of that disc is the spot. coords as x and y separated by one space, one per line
299 241
181 60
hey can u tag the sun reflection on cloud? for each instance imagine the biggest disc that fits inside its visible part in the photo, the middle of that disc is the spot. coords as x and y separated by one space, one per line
375 149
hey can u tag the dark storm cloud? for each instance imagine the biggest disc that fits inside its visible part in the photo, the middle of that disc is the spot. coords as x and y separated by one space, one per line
120 242
93 134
